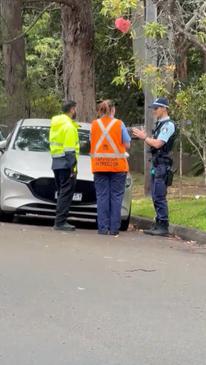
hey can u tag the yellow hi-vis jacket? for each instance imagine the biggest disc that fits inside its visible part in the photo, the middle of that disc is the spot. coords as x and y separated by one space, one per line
64 142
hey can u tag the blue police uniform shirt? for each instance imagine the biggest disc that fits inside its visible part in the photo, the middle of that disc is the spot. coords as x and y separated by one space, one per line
167 130
125 135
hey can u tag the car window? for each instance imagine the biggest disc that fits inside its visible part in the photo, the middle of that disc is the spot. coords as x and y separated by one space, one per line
2 138
84 140
8 139
32 139
37 139
3 132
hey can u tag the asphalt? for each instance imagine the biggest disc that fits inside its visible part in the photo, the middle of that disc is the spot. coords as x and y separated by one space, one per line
83 299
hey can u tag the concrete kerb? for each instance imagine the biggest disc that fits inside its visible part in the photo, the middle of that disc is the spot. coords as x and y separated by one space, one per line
185 233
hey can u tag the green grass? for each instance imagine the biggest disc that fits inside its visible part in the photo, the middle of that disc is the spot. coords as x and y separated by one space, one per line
188 212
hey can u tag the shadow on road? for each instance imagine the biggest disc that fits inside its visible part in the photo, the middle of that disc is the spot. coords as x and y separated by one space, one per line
49 222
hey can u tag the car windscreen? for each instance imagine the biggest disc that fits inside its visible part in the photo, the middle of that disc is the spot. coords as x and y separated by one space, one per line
36 139
1 136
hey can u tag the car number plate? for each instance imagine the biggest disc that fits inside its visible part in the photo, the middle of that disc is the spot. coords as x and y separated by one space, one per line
77 197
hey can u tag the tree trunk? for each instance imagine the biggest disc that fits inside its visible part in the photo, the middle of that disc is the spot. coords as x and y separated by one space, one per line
205 173
78 64
144 51
181 164
14 61
181 68
181 51
150 58
204 161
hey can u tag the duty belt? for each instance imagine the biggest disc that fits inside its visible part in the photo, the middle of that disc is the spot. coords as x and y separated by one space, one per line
157 160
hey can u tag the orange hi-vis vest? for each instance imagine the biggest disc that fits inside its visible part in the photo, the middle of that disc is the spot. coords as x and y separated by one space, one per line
108 153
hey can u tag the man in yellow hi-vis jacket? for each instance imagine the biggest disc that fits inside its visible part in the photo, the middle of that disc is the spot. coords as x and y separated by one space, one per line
64 148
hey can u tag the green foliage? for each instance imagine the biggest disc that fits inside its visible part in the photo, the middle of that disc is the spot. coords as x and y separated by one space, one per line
112 51
125 74
46 106
115 8
159 79
44 63
202 37
116 68
192 106
194 63
155 30
191 111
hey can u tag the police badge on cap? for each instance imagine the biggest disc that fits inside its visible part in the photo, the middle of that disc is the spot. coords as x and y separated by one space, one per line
160 103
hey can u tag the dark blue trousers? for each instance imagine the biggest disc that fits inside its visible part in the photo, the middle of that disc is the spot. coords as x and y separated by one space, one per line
65 184
159 193
110 188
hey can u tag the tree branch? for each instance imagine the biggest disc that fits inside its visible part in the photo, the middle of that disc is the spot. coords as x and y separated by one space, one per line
192 143
192 38
70 3
195 16
30 27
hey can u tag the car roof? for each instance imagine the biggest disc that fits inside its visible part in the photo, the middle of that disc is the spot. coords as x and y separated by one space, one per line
37 122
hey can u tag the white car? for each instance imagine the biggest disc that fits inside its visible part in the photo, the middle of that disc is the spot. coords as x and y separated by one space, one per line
27 182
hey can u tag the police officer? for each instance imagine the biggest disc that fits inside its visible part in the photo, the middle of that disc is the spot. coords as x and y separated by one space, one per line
109 141
64 148
161 144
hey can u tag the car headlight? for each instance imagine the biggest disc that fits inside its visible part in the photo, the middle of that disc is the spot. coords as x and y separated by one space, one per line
128 181
17 176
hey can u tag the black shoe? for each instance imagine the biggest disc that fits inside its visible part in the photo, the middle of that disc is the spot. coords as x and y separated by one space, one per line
115 234
151 230
64 227
104 233
159 229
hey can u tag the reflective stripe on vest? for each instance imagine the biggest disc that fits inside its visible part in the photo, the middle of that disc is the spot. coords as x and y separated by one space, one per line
56 155
67 149
108 155
61 141
56 144
107 149
105 134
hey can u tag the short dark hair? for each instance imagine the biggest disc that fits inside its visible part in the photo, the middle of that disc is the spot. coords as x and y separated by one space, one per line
68 106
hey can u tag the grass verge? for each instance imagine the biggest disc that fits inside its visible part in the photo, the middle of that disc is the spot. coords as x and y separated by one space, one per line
188 212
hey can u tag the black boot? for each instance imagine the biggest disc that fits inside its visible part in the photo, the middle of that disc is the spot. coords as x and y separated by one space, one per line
152 229
64 227
161 229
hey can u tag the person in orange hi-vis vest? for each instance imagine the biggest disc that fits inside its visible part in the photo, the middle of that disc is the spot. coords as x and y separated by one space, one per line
109 142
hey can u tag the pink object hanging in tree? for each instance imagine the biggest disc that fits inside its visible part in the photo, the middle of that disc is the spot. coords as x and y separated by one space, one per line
123 25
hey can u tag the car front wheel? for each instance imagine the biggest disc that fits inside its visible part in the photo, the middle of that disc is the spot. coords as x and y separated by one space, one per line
6 216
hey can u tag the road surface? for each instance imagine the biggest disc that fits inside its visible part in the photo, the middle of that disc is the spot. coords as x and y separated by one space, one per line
82 299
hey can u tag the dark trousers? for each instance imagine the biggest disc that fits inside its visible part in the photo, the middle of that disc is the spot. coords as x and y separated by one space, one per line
110 188
65 183
159 193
